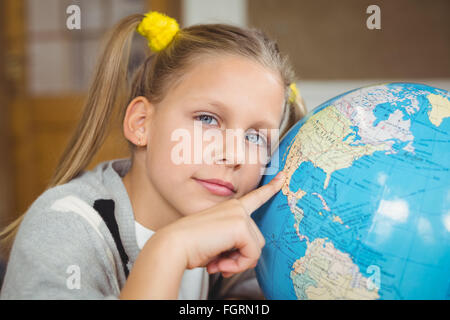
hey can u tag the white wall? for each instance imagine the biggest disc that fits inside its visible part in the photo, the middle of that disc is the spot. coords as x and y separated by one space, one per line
214 11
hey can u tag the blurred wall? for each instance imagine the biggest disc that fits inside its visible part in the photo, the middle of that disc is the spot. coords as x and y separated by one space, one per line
329 39
214 11
332 49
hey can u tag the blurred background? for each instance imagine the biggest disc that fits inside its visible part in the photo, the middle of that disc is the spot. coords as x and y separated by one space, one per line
45 68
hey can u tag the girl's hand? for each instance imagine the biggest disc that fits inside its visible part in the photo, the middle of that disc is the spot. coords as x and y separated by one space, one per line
224 238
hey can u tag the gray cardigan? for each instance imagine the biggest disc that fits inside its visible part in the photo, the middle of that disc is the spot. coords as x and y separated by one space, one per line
64 250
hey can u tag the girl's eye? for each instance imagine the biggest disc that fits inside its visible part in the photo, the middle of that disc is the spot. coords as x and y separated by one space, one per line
206 118
255 137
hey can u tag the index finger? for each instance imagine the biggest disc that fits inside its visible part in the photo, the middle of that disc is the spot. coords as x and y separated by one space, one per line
256 198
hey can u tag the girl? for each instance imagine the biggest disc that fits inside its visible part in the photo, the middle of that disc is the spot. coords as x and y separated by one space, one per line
148 227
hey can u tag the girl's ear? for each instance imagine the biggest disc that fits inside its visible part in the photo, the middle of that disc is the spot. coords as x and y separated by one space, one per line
137 120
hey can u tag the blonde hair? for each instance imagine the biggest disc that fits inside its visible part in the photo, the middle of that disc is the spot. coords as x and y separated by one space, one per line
110 88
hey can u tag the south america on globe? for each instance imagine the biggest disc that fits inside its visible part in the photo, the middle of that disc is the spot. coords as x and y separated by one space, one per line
365 209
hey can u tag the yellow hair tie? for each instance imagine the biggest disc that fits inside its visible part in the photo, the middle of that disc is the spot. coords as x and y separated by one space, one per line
294 94
159 30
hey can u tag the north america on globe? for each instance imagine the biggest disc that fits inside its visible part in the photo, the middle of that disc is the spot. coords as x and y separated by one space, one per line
365 209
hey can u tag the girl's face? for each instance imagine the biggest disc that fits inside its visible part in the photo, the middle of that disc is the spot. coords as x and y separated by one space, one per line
219 93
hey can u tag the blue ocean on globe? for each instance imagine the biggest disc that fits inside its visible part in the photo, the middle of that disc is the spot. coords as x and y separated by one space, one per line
365 209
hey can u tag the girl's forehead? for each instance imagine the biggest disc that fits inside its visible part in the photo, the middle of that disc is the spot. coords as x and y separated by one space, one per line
231 75
235 86
239 89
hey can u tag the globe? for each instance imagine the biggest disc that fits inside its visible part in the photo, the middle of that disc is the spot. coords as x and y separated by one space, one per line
364 212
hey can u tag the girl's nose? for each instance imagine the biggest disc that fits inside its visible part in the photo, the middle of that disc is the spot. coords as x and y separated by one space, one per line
232 151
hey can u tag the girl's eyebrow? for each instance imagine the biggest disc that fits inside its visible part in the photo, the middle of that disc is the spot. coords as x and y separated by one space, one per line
261 124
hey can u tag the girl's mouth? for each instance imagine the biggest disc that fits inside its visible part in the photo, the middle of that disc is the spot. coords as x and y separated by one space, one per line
216 188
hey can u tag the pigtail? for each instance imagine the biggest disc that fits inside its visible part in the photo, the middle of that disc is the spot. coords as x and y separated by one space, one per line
109 89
